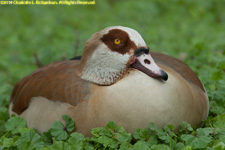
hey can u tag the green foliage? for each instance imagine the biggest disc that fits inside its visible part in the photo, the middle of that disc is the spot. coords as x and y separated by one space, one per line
191 30
218 122
59 132
29 140
15 124
112 137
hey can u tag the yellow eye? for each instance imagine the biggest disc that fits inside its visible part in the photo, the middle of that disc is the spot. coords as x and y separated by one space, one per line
117 41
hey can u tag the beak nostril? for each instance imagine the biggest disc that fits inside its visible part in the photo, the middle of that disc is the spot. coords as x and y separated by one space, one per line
147 61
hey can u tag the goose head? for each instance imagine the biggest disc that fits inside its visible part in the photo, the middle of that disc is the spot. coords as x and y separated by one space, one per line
110 53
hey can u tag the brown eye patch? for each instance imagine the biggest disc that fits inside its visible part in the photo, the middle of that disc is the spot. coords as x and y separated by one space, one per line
125 43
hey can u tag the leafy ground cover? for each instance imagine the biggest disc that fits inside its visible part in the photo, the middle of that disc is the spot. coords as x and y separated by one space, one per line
192 31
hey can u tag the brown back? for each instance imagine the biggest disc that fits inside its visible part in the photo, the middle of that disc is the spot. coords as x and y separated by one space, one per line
57 81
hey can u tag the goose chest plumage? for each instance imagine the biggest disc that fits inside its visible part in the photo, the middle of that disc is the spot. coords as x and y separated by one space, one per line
116 79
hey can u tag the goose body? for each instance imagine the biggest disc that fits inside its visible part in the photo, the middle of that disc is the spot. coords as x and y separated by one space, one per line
116 79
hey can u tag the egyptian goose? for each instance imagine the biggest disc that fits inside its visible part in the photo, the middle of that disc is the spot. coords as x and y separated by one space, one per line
116 79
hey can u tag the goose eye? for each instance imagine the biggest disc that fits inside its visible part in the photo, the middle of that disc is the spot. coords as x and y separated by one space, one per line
117 41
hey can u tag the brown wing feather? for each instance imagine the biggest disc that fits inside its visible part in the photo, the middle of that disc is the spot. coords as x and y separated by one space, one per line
57 81
179 67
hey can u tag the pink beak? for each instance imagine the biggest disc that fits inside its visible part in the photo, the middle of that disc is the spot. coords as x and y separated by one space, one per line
144 62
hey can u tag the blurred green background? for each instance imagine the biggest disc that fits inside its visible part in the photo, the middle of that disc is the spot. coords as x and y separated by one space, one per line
191 30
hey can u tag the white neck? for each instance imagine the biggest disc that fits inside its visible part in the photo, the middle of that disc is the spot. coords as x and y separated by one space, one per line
105 67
